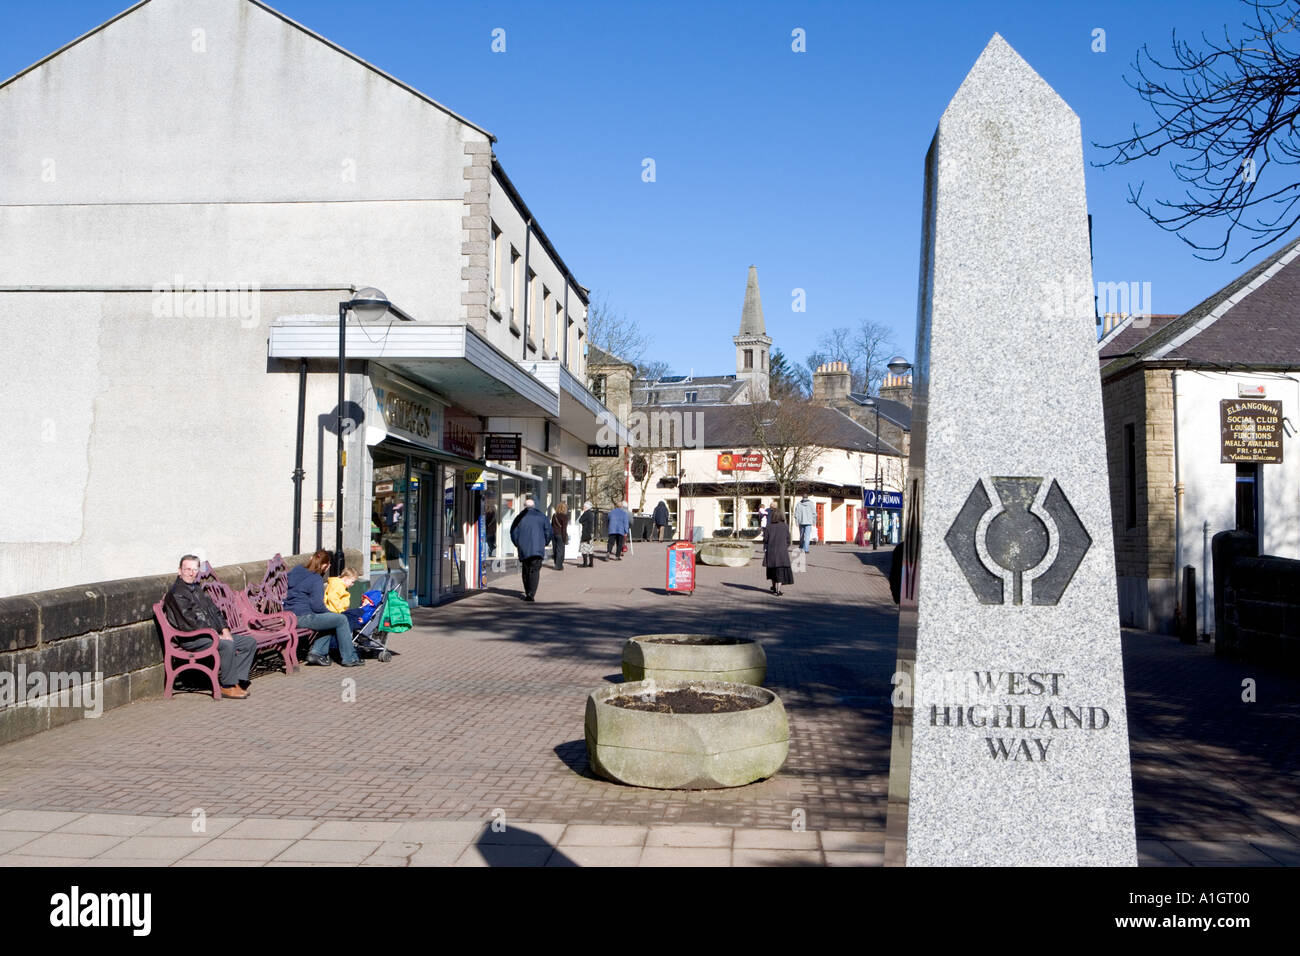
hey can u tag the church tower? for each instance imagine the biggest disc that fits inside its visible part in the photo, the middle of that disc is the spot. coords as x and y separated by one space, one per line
753 343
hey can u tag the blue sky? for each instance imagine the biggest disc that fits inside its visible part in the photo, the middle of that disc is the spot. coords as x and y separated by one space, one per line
808 165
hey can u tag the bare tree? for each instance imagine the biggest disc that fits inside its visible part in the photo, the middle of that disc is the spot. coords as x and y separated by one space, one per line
646 463
615 333
1229 111
605 482
865 348
787 433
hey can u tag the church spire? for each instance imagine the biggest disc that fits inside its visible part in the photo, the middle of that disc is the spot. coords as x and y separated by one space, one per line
751 316
752 344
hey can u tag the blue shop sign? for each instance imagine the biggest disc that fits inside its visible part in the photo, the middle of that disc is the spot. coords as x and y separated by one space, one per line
886 500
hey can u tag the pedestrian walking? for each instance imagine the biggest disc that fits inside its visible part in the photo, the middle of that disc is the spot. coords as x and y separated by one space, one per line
620 523
776 554
531 533
805 516
661 521
587 522
560 533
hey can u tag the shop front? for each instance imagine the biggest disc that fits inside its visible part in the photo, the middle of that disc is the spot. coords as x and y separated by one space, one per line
884 512
426 490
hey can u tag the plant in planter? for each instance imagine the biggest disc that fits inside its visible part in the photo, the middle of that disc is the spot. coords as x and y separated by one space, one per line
662 657
686 735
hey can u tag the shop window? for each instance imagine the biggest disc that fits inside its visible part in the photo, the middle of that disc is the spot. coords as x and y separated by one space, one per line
754 519
726 513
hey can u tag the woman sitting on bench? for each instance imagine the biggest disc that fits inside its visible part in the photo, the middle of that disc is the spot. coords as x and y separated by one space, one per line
306 599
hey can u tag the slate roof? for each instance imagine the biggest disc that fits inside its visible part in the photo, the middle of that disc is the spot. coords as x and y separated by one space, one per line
1253 321
598 356
730 426
897 412
1125 337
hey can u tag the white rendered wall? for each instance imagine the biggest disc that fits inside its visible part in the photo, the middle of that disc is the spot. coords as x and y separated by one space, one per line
246 152
1210 486
137 438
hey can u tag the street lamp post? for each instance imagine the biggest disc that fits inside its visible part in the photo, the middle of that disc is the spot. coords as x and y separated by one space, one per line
367 303
875 511
898 366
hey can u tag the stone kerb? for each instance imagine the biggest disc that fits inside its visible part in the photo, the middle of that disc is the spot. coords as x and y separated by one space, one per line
98 642
667 657
685 751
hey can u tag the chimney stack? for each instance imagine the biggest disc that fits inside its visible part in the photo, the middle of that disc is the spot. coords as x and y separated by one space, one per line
831 383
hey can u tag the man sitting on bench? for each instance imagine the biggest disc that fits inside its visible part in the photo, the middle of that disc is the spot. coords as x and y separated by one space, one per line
189 609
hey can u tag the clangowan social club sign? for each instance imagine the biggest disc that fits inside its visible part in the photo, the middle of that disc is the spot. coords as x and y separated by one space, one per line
409 413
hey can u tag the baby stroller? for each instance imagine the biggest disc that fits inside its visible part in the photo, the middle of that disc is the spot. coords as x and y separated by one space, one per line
383 612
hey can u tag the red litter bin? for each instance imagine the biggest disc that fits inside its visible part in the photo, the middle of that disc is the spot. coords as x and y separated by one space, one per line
680 573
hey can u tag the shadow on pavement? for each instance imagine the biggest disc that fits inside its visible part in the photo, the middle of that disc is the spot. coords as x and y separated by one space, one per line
514 846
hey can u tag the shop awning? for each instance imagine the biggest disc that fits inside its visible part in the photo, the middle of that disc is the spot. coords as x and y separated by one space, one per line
452 360
581 413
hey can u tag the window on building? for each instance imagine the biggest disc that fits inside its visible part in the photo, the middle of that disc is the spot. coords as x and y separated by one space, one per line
670 464
752 508
692 396
726 513
1248 498
516 291
1130 477
763 359
598 388
749 358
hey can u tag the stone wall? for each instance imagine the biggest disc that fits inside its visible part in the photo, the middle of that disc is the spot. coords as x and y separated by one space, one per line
1144 554
104 633
1262 616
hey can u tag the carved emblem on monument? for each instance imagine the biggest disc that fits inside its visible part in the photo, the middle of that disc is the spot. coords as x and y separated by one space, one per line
1021 532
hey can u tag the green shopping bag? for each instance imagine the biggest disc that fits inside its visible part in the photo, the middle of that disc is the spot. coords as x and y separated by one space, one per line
397 614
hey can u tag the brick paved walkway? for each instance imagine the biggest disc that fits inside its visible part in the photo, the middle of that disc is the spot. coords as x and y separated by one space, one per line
483 710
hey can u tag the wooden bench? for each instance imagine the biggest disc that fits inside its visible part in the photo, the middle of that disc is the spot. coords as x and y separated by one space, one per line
276 629
269 594
173 651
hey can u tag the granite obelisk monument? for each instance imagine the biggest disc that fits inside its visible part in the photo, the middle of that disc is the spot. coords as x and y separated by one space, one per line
1014 750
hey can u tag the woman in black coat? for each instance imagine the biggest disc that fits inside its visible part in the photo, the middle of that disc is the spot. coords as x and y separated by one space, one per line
587 521
776 556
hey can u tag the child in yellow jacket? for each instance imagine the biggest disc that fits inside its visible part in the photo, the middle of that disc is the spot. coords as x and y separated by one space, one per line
337 598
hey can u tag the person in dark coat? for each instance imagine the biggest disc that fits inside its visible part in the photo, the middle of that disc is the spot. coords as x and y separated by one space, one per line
776 554
587 521
661 521
560 533
531 533
189 609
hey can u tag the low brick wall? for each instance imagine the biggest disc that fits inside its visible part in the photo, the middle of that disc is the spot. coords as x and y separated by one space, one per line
105 630
1262 612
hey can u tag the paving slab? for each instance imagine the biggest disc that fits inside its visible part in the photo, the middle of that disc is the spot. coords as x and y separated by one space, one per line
164 850
679 856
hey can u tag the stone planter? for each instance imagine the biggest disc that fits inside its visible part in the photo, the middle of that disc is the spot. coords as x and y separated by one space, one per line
686 751
703 657
726 553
